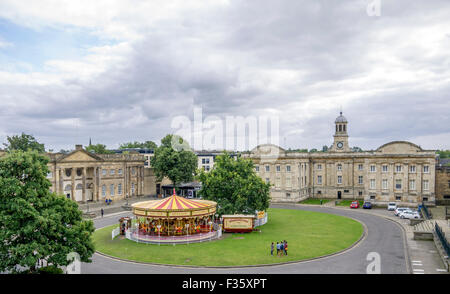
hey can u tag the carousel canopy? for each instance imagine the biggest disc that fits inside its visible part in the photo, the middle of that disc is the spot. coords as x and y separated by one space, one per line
174 206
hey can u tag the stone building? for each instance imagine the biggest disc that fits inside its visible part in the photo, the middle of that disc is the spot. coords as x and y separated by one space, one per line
443 182
397 171
84 176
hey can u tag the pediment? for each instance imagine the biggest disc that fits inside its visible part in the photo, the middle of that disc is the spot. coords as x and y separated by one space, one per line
79 155
397 147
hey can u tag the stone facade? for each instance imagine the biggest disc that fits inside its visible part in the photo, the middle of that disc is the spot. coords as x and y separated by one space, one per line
397 171
443 184
83 176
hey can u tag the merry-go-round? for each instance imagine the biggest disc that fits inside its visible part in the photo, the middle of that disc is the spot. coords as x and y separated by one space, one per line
174 219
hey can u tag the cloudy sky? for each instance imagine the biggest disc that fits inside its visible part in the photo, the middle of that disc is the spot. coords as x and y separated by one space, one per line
120 70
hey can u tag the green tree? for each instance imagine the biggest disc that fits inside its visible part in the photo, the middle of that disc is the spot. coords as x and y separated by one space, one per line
443 153
357 149
36 224
23 142
174 159
146 144
235 186
98 149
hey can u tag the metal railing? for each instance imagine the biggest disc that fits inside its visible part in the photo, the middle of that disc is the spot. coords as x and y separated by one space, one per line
426 212
444 242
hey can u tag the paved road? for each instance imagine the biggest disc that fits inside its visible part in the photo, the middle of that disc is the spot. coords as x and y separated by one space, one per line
382 236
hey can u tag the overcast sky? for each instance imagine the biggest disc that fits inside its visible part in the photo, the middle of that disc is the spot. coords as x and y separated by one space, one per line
118 71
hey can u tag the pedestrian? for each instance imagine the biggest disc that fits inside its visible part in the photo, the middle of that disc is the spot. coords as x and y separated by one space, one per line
278 248
102 212
281 248
271 249
285 247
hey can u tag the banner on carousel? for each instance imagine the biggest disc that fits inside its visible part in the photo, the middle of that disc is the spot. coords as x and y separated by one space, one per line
179 213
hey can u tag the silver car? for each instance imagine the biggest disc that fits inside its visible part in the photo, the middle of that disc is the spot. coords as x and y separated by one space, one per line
410 214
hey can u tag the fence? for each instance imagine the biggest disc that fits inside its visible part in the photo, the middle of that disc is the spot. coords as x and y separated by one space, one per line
261 221
426 212
115 233
442 238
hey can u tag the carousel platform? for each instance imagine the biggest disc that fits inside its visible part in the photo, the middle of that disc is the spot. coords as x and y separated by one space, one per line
170 240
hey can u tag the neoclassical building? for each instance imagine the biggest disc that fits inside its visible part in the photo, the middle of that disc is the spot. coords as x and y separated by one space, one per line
397 171
83 176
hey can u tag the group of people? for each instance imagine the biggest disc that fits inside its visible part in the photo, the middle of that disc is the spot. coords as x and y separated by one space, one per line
282 248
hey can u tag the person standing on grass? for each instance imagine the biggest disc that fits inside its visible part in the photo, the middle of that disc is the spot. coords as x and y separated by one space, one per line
281 248
285 247
271 249
278 248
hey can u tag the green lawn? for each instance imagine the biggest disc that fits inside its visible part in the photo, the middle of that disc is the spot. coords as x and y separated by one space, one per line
309 234
348 202
314 201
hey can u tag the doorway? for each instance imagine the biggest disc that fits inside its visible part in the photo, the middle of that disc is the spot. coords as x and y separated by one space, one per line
339 194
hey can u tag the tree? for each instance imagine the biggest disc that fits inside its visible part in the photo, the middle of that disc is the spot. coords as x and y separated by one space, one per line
98 149
174 159
443 153
24 142
324 148
235 186
147 145
313 150
357 149
36 224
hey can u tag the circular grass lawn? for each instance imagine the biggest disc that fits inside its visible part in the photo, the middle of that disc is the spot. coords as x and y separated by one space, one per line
309 234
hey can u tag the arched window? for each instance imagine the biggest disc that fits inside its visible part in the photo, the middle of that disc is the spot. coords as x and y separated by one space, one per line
68 188
68 172
79 172
79 187
345 128
340 128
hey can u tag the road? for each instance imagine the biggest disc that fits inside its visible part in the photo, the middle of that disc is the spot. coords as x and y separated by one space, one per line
382 236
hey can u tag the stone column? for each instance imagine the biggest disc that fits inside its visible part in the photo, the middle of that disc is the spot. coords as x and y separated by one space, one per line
73 184
84 185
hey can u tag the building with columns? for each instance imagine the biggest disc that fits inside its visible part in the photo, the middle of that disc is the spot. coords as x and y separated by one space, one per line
398 171
83 176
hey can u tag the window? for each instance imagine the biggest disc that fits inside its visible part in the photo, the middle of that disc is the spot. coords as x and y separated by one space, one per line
385 168
103 190
426 169
288 195
203 161
398 198
426 185
372 183
278 182
385 184
339 166
104 172
360 193
267 168
133 171
207 168
267 180
360 167
412 185
112 172
398 184
278 168
207 160
412 169
68 172
79 172
339 179
319 167
119 189
319 192
49 175
319 180
288 168
425 199
120 172
257 168
288 181
372 197
132 188
360 180
373 168
111 189
398 168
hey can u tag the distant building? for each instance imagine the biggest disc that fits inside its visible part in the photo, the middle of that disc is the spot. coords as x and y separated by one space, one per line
443 182
148 153
206 158
397 171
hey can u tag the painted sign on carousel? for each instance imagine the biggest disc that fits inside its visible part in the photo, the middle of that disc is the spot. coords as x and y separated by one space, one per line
238 223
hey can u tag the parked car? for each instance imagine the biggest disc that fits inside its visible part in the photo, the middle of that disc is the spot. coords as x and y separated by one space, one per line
409 214
355 204
392 206
398 210
367 205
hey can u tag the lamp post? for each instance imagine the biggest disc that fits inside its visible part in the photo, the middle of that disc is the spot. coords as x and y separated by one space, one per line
210 230
159 234
126 198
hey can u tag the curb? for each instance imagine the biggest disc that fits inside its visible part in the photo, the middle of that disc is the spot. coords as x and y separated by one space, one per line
355 244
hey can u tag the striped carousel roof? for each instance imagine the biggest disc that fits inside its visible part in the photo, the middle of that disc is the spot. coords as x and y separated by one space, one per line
176 202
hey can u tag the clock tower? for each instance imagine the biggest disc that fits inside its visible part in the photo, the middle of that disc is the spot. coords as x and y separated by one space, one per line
340 143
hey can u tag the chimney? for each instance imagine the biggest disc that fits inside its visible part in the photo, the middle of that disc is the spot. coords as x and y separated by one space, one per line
78 147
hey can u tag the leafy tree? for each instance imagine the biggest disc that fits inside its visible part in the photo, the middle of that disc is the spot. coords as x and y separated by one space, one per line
313 150
357 149
235 186
443 153
36 224
174 159
146 145
98 149
324 148
23 142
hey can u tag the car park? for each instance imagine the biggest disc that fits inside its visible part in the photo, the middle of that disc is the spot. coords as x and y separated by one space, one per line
392 206
367 205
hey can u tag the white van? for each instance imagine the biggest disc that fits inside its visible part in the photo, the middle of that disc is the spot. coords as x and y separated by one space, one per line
392 206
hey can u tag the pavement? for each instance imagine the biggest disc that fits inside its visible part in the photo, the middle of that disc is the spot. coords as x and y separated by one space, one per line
383 237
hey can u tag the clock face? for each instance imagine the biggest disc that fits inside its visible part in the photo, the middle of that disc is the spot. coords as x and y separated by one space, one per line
340 145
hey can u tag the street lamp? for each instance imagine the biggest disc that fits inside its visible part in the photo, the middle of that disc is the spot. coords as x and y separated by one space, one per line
187 230
210 229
